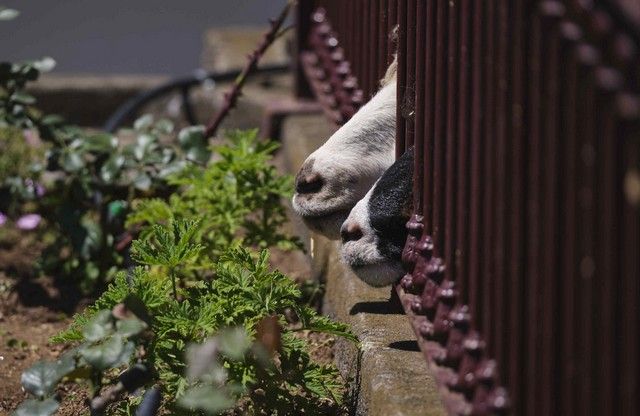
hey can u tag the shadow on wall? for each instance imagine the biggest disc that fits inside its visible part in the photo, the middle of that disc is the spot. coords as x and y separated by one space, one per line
123 36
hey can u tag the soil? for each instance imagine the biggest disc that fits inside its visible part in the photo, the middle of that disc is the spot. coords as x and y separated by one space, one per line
33 309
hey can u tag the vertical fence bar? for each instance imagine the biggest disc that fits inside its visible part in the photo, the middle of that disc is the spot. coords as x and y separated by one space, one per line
428 138
350 34
502 178
570 34
452 139
587 267
462 160
439 148
401 122
517 190
410 74
374 21
392 21
629 132
303 24
608 189
419 122
476 167
550 210
488 175
383 36
365 69
532 271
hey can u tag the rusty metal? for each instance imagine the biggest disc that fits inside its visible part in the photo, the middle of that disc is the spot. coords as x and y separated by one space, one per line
523 264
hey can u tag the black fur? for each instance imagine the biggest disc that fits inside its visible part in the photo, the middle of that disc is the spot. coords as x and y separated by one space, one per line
390 206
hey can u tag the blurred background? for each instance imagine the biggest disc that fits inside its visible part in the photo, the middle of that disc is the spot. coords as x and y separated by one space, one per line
123 36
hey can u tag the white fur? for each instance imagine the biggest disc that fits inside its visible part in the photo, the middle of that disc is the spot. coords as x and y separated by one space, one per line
362 255
350 162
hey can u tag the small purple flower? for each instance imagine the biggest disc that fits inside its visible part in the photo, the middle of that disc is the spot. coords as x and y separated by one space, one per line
3 219
36 187
28 222
40 191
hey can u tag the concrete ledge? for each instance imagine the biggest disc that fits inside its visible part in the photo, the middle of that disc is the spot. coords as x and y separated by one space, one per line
89 100
227 48
390 375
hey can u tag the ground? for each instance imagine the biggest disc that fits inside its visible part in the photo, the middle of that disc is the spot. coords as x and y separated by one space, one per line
25 329
32 309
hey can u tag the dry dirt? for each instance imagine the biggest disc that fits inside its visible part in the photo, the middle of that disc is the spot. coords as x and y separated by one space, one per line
26 324
34 309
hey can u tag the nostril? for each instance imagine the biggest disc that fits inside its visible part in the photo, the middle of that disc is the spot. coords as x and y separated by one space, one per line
308 184
350 232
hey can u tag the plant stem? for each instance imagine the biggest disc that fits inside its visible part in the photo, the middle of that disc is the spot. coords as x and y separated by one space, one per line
231 97
172 275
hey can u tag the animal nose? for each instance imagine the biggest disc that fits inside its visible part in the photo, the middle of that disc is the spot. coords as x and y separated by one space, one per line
308 183
350 231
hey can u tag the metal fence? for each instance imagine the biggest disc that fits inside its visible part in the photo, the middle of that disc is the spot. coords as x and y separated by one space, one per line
524 250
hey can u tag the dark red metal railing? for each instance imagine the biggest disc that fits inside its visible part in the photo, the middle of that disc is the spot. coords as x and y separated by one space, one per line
524 251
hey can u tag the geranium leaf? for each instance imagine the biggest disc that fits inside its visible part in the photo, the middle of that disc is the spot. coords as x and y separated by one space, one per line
33 407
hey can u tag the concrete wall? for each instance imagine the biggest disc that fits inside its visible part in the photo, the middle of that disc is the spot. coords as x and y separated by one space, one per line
122 36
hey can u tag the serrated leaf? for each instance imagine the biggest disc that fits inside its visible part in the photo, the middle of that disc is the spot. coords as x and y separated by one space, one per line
99 327
111 353
8 14
207 399
33 407
130 327
323 381
42 378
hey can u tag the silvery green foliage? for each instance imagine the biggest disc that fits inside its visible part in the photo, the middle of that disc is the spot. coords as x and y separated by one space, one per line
210 391
108 343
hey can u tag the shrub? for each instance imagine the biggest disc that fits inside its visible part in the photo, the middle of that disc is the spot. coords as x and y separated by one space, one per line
241 194
83 185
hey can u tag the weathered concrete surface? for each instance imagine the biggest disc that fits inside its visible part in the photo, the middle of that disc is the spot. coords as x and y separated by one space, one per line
390 376
227 48
88 100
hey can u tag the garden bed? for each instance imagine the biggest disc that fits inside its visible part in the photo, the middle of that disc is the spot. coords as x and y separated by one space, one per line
32 310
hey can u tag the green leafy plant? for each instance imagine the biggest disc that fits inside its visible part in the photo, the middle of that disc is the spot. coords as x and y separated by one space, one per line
81 182
243 294
99 175
240 192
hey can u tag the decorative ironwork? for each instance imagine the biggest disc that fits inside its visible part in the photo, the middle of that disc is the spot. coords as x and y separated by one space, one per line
522 257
